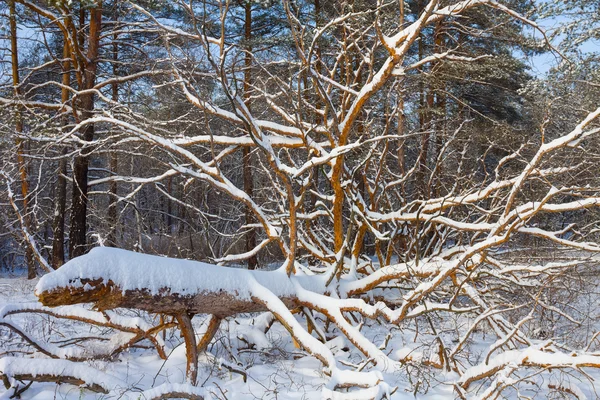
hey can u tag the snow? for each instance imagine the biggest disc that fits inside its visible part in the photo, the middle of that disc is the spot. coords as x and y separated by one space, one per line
270 372
136 271
376 392
76 312
275 305
147 375
270 361
173 388
14 366
529 356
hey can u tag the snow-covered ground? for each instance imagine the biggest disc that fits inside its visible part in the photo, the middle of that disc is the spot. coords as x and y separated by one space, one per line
274 367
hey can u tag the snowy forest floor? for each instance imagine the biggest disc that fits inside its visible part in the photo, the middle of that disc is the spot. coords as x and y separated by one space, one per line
274 367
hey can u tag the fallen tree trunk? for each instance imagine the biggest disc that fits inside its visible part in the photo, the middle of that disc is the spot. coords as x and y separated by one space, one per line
111 278
108 279
109 295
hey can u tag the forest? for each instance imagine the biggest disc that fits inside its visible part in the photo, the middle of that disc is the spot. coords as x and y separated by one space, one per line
299 199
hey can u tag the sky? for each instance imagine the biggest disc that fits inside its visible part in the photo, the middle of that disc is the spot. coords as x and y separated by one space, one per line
541 64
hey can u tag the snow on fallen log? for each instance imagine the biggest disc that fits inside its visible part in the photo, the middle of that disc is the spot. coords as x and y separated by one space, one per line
112 278
58 371
174 390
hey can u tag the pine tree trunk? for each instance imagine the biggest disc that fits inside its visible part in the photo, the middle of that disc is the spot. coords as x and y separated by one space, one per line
19 142
247 161
113 158
60 198
440 106
77 236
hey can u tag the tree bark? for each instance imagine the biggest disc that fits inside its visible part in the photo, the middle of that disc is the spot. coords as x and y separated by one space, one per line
113 157
184 321
19 142
247 161
211 330
440 105
78 230
60 198
57 379
108 296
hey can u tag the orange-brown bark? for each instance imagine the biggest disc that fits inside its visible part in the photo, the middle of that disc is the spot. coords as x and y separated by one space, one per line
107 296
19 129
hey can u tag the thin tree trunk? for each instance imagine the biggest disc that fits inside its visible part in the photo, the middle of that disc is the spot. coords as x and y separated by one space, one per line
337 171
401 120
312 198
426 98
169 205
60 199
114 160
77 236
247 161
440 106
19 142
400 117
